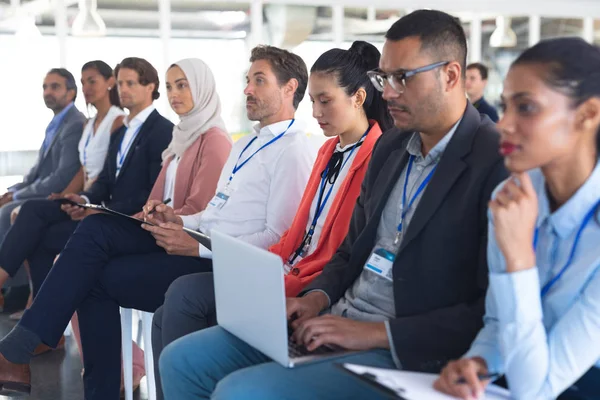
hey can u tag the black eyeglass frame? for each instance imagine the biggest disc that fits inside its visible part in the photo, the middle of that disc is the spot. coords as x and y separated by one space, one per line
376 74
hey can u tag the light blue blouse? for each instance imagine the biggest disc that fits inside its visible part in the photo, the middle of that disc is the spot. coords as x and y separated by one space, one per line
545 344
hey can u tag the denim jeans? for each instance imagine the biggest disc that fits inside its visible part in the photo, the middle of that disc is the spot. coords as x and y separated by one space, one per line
213 363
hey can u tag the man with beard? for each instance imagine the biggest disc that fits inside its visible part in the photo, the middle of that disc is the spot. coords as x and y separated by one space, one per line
58 158
132 165
406 289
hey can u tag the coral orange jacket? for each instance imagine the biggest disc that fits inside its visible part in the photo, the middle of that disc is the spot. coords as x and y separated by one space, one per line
337 220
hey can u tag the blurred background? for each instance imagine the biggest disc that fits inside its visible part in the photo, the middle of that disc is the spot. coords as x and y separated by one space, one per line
36 35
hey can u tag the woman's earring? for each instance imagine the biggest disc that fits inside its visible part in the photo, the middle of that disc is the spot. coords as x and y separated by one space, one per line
109 88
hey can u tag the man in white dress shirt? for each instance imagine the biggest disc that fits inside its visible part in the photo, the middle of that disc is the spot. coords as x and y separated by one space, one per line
263 180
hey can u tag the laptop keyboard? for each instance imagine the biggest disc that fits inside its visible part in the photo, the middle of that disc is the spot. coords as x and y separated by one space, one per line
295 350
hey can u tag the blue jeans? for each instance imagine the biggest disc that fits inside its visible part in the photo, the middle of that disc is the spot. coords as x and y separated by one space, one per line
213 363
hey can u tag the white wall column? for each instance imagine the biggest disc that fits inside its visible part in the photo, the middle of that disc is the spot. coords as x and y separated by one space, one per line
588 29
337 20
256 23
371 14
60 22
535 29
164 12
164 28
475 39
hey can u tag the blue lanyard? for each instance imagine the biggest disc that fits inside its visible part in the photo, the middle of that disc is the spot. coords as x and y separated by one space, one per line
122 154
586 220
238 166
321 202
417 193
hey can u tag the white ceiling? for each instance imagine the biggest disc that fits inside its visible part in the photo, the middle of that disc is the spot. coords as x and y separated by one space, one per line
203 18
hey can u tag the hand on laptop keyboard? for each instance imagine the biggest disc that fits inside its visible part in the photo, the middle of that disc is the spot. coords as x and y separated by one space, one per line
298 350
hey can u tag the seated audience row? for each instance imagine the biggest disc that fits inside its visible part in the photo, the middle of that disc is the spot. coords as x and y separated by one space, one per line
351 111
406 288
387 245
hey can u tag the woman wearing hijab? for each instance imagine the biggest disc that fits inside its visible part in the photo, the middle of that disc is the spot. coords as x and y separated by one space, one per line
352 114
199 143
118 266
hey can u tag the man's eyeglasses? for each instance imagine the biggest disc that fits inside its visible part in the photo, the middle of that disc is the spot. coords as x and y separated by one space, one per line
397 80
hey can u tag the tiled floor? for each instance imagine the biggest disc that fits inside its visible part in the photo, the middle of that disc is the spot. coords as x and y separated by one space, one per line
57 375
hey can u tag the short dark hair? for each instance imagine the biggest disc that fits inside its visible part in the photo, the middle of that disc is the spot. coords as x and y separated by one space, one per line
286 66
106 72
147 73
483 70
70 80
441 34
569 65
349 67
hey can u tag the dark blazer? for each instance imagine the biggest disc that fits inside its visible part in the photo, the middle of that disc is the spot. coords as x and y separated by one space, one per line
57 166
440 272
486 108
128 192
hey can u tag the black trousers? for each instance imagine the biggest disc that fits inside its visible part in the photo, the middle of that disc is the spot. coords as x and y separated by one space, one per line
189 307
586 388
39 233
108 262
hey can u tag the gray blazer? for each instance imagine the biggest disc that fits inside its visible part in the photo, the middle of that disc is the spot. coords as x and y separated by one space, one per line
54 170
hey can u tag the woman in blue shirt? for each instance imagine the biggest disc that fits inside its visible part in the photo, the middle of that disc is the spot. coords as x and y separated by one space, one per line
542 323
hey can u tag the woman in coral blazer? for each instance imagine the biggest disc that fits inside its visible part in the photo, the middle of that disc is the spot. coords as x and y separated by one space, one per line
336 221
353 114
351 111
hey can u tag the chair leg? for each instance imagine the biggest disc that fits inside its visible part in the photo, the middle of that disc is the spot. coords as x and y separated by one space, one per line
148 356
126 335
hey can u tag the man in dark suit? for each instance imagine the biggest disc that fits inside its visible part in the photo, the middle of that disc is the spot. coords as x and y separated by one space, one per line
407 286
58 157
133 162
477 77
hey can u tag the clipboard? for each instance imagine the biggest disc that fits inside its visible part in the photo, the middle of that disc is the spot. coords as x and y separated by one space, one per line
102 209
200 237
371 380
407 385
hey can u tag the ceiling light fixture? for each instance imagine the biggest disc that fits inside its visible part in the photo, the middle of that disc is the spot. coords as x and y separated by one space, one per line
88 22
503 35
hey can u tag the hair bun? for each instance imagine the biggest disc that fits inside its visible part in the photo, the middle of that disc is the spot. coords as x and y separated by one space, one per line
369 53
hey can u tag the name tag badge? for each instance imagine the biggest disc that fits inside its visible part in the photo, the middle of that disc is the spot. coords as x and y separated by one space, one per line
381 262
219 200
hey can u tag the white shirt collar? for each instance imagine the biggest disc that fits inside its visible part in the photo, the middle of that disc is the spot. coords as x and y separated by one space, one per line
273 129
140 118
339 148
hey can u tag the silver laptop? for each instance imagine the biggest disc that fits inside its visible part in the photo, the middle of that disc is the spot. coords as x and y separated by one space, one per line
250 298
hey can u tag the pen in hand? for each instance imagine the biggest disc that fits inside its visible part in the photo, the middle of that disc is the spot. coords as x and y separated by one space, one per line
481 377
165 202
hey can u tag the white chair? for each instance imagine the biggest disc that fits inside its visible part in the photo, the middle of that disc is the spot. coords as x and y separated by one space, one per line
126 337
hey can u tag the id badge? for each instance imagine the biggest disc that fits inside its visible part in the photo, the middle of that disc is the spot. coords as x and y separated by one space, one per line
289 265
381 262
219 200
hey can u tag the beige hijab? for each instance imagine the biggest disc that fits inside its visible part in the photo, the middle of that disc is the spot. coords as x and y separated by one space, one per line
206 113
